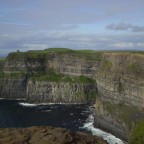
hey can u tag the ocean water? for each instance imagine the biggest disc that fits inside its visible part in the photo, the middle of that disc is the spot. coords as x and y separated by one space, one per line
76 117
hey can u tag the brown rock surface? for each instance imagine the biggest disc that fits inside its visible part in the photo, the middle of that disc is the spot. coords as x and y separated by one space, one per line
46 135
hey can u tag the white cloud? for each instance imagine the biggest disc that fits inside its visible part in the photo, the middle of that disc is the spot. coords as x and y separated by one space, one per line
123 45
35 46
141 44
127 45
42 40
125 27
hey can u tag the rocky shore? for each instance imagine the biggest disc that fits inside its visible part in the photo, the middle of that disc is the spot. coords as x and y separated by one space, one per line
46 135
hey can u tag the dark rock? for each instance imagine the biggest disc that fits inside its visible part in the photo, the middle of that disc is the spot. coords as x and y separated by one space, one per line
46 135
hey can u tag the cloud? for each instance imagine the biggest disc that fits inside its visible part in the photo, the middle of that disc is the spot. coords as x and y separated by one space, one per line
55 14
26 25
123 45
34 46
125 27
43 40
127 45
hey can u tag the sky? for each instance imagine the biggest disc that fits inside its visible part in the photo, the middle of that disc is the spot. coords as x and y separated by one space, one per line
76 24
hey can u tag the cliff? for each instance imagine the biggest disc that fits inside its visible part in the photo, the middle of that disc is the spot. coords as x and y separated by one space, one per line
114 79
65 61
61 92
12 88
53 75
120 84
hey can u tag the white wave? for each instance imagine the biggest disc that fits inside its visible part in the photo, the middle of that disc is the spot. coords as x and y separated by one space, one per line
33 104
71 114
27 104
111 139
39 104
47 111
1 98
20 99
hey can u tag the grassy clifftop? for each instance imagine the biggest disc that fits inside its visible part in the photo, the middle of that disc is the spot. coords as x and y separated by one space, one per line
97 55
88 54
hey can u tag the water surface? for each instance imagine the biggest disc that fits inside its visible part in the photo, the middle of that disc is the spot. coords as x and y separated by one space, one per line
76 117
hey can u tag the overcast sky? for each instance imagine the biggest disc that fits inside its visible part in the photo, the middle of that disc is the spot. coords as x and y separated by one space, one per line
76 24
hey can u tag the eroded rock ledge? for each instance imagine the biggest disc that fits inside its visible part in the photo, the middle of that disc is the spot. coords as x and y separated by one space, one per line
46 135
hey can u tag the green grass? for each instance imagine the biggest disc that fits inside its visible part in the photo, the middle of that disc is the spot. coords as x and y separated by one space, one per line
126 51
137 136
54 77
34 54
58 50
2 60
88 54
16 56
12 75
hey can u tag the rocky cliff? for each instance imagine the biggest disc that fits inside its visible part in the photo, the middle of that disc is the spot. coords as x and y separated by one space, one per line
51 76
12 88
115 79
120 84
64 92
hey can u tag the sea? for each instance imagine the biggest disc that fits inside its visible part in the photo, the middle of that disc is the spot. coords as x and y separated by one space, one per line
76 117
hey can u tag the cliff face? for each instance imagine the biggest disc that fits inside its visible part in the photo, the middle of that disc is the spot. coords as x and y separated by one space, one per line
73 65
55 76
121 79
120 84
60 92
12 88
76 77
68 63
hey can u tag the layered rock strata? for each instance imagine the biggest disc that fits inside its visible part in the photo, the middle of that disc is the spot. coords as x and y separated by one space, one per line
64 92
13 88
120 84
34 65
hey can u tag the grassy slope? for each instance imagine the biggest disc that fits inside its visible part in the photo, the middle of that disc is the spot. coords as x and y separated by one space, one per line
137 136
12 75
54 77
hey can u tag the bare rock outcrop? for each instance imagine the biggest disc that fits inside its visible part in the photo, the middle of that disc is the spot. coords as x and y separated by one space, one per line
46 135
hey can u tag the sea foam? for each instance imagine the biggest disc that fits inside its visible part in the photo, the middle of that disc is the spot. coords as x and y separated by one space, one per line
111 139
